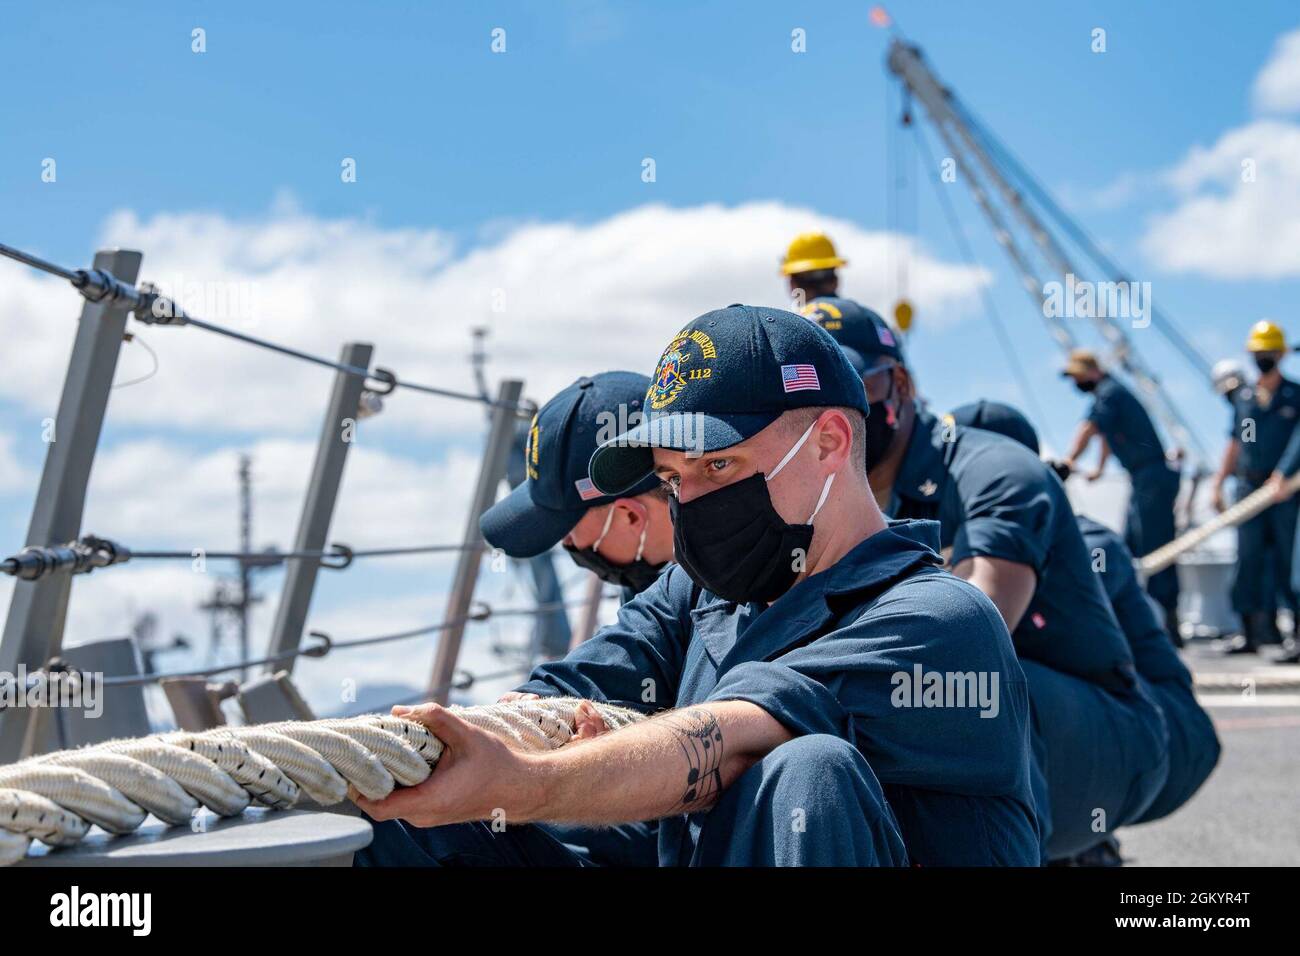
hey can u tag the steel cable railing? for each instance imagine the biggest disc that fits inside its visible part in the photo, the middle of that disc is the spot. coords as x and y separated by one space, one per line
151 307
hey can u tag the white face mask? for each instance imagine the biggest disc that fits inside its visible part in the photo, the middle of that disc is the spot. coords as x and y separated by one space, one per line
826 488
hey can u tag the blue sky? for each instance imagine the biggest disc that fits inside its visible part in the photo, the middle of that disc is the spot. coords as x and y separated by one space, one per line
473 151
445 132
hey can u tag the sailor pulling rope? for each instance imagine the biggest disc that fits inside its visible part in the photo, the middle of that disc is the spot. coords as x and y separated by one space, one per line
57 797
1257 501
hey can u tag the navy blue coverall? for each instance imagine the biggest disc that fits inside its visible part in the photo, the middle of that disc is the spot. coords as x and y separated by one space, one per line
1129 432
1099 739
1269 441
882 772
1193 744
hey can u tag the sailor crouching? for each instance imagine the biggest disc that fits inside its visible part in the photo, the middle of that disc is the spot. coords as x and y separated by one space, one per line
624 539
1193 744
774 642
1100 742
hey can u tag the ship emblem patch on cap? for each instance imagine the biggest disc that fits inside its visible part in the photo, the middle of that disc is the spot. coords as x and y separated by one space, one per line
824 314
672 373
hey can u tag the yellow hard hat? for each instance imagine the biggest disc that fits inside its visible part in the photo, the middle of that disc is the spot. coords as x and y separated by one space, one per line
809 252
1266 336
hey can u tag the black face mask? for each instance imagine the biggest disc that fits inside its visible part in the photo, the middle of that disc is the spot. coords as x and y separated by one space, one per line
1265 364
882 426
734 543
638 575
882 422
1085 387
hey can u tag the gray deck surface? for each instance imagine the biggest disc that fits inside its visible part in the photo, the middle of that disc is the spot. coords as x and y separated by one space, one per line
1248 812
257 837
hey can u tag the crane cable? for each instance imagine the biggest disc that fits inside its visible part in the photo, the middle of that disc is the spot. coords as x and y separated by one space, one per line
1082 238
1000 331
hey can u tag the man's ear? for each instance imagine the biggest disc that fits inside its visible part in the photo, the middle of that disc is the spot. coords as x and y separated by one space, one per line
903 383
634 511
836 438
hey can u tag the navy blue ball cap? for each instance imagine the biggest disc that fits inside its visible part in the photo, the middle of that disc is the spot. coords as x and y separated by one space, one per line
557 492
854 325
856 360
723 379
1000 418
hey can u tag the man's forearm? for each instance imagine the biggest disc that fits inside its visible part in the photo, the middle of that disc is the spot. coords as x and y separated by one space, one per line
1229 463
1081 439
676 762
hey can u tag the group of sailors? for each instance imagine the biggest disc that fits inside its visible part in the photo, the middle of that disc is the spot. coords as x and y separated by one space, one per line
1263 449
941 663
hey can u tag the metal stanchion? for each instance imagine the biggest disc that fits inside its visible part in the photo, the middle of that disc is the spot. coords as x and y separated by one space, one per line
491 471
318 507
38 611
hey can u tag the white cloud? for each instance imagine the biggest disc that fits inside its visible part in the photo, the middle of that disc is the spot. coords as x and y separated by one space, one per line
1277 87
1116 194
160 494
577 298
157 495
1238 212
12 474
1239 215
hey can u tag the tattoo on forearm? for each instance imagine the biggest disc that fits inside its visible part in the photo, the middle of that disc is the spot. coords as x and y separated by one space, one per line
699 735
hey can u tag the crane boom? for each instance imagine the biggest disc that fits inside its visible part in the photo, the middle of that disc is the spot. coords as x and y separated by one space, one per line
977 164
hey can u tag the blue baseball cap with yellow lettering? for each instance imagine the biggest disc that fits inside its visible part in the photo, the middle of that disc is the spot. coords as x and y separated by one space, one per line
724 378
857 327
557 491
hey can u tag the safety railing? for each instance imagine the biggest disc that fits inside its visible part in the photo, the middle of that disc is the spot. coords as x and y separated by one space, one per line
57 550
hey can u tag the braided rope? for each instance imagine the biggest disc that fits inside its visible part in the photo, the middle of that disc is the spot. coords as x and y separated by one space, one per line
55 798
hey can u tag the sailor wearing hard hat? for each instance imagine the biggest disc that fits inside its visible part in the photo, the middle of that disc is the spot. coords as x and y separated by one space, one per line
1263 448
1227 377
810 265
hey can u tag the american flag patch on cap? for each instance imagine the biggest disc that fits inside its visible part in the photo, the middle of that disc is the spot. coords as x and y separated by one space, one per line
586 490
886 336
799 378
